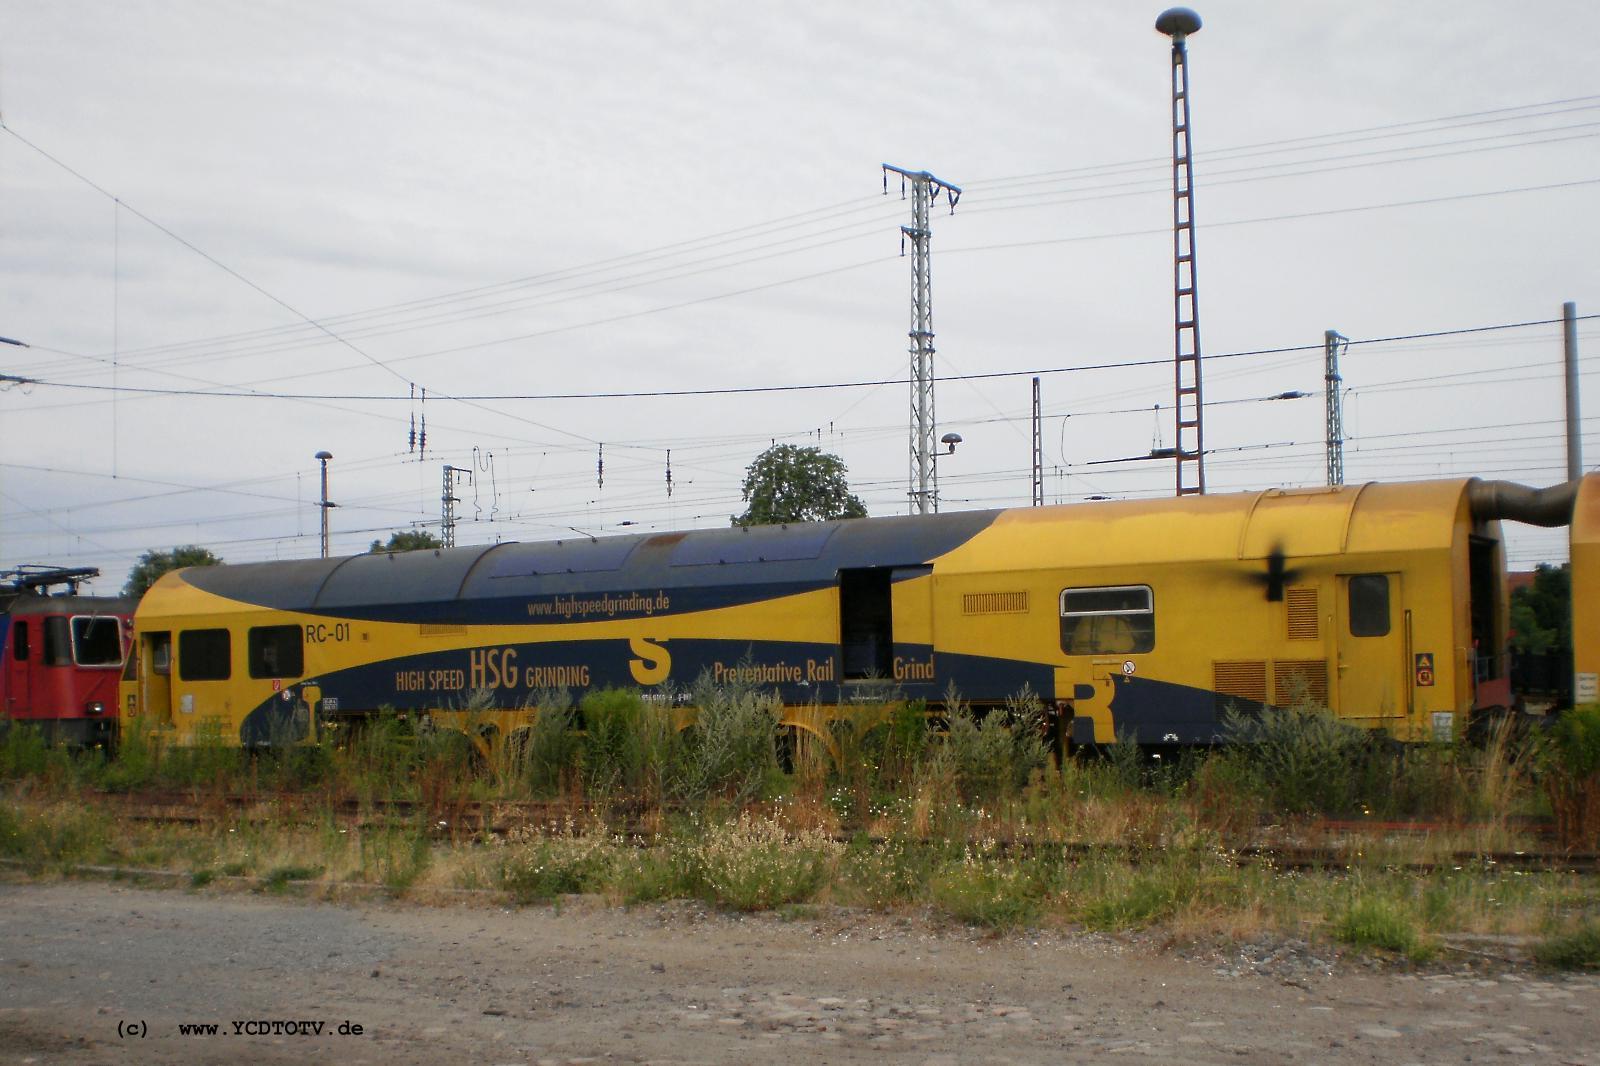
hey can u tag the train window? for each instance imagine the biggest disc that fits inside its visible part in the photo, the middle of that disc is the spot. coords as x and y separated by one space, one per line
276 651
1369 605
96 641
160 645
57 641
1119 620
19 641
203 655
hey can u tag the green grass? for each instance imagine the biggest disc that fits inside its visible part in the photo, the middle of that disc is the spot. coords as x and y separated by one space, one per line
1378 921
989 891
925 807
277 879
1574 949
550 866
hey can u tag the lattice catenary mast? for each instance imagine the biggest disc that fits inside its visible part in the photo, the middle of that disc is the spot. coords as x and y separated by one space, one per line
448 501
1332 344
925 189
1038 448
1188 407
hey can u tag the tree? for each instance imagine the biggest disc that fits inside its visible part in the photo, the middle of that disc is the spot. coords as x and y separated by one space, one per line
407 540
787 483
153 563
1541 613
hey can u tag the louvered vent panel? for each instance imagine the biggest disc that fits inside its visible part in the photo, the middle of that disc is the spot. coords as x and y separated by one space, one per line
1302 608
1244 679
426 629
1297 680
994 603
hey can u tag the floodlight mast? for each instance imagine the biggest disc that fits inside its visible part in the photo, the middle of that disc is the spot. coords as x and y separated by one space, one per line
1188 407
323 457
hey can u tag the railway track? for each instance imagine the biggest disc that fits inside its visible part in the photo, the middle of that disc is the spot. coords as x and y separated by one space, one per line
1354 844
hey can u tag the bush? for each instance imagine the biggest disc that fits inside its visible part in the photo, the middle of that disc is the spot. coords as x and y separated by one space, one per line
628 744
893 872
551 751
995 755
1226 793
892 743
731 749
1305 760
756 864
297 766
987 889
1570 762
379 759
545 867
23 751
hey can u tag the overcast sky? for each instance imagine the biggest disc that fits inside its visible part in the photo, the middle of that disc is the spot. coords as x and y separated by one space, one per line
555 198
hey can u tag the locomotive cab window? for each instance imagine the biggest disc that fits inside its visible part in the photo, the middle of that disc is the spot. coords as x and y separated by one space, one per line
203 655
1369 605
96 641
276 651
1119 620
57 641
19 641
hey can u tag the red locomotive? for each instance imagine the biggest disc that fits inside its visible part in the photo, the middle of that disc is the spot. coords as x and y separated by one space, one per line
61 655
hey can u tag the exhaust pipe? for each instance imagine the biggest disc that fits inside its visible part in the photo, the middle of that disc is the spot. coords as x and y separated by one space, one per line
1492 501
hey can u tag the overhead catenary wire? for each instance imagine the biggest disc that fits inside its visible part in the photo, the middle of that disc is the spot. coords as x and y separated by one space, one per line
763 230
619 472
754 228
738 390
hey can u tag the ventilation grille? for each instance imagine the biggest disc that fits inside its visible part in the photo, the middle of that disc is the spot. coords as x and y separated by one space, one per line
1300 680
1245 680
1302 610
994 603
427 630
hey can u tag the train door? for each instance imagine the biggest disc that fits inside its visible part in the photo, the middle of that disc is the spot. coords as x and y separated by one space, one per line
1373 679
16 668
155 678
866 624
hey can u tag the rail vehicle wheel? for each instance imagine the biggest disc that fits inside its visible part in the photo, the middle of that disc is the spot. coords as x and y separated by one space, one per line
1513 723
446 745
788 742
484 740
518 745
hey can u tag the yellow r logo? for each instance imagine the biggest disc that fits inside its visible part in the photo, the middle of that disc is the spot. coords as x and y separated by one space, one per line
653 664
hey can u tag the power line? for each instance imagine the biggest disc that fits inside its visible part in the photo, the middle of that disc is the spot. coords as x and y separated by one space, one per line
763 230
201 252
740 390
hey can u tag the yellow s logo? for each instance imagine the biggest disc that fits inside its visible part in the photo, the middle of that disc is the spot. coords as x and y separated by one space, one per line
653 664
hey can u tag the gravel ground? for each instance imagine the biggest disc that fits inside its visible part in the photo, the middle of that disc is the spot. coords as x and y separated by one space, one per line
680 984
